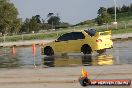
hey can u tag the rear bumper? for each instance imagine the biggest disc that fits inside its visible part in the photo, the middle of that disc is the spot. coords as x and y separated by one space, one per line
106 46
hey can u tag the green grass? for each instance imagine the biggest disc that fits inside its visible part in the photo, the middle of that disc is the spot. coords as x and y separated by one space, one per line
30 37
87 22
54 35
121 31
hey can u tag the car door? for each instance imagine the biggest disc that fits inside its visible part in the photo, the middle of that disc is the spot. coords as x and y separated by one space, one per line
76 41
61 43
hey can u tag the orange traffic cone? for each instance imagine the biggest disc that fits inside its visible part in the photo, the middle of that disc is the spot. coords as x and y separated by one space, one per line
34 49
13 50
84 73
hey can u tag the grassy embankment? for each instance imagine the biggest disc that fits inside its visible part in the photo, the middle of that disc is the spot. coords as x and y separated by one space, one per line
124 26
52 35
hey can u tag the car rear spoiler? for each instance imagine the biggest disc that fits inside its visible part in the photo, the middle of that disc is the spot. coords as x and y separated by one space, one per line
103 33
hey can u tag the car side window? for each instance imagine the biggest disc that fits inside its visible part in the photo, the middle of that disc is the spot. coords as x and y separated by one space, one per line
64 37
71 36
78 35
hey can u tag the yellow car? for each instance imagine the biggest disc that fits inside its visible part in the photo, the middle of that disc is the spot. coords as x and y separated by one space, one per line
85 41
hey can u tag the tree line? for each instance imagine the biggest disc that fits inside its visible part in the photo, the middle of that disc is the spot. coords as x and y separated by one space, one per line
122 9
11 24
35 24
105 14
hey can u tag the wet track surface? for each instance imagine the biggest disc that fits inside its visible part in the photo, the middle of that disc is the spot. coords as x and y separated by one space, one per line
120 54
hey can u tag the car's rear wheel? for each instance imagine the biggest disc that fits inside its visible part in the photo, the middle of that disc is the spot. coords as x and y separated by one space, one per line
48 51
101 51
86 49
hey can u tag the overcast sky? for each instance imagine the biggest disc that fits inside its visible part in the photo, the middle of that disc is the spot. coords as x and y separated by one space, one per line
72 11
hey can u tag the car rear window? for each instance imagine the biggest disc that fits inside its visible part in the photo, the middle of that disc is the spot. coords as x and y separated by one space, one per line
91 32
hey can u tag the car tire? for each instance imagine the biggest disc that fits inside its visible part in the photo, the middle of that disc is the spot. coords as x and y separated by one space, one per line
101 51
86 49
48 51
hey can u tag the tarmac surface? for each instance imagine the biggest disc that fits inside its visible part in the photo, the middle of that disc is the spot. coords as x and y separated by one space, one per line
61 77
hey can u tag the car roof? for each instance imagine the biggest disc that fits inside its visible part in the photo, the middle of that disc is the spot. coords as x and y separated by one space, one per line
84 30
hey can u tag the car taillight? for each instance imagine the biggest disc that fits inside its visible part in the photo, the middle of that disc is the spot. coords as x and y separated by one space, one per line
98 40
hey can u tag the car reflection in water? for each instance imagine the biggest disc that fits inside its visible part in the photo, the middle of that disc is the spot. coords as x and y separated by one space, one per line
85 60
103 60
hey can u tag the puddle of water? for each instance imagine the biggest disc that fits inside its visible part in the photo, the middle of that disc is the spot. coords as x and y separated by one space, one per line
120 54
87 60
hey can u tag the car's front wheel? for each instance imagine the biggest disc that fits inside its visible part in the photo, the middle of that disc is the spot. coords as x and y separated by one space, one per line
48 51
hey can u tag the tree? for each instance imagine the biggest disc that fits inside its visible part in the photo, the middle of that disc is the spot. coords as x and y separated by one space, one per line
131 7
63 25
37 17
50 14
45 26
33 24
111 10
30 25
125 8
101 10
103 16
16 25
8 16
25 26
99 20
54 20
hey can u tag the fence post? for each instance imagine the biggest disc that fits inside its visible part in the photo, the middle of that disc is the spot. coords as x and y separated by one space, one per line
57 34
107 26
125 25
22 37
4 37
